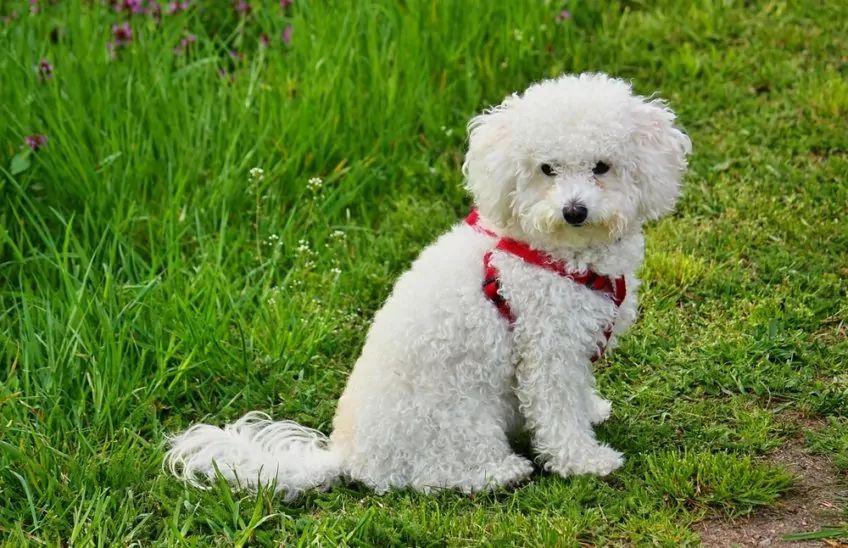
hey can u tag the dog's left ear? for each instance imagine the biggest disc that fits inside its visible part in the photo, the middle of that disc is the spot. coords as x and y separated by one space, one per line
662 151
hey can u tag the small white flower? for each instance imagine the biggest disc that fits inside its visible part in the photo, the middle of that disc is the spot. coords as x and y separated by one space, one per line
336 270
518 35
273 240
302 246
256 174
314 184
338 235
274 291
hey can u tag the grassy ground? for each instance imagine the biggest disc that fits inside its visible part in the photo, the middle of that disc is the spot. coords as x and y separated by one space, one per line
147 282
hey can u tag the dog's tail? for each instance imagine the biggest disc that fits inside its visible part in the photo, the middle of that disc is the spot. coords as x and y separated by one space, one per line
254 451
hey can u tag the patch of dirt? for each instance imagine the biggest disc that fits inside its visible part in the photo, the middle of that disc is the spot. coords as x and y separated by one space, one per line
809 506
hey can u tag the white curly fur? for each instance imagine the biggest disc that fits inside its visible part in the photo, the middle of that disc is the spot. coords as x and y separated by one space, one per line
442 382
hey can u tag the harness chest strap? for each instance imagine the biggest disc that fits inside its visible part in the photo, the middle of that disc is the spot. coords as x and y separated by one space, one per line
616 289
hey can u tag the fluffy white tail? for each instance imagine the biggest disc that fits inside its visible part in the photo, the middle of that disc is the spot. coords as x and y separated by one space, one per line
254 451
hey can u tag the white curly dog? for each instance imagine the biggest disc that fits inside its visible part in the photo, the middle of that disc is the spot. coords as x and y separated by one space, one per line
495 326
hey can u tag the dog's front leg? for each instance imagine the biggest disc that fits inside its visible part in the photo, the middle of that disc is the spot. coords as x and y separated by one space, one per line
556 392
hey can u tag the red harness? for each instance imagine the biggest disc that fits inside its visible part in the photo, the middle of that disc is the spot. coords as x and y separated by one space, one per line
616 289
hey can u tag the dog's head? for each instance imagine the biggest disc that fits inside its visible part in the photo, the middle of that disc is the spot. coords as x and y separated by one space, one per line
576 160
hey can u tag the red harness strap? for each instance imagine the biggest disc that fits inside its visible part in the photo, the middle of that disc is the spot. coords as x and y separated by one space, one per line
492 288
616 289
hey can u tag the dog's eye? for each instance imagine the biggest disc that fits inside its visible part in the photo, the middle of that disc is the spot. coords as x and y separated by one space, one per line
600 168
547 170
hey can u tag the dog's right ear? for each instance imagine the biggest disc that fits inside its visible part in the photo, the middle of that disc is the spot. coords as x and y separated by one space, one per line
489 169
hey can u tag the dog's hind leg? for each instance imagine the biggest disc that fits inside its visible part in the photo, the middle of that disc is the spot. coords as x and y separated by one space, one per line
433 444
467 450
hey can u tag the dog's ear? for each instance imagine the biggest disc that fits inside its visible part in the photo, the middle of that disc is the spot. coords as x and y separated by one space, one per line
662 149
489 169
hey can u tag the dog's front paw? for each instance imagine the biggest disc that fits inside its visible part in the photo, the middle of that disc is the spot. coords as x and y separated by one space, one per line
599 409
596 459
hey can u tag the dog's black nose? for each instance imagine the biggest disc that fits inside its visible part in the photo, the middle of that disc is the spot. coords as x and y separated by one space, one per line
575 213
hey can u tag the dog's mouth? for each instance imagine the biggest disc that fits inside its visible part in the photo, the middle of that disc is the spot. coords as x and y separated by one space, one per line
592 231
548 222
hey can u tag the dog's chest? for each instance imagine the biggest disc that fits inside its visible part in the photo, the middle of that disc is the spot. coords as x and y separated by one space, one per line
554 309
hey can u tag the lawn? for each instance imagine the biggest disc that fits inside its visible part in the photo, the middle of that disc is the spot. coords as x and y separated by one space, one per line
149 280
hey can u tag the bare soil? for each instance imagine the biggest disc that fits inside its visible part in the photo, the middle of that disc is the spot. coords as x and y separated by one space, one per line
811 505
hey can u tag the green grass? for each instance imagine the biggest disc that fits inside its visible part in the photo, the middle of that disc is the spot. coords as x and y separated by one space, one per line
146 283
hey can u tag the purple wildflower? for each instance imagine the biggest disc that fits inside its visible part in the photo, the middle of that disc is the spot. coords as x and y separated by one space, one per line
185 43
287 35
286 3
132 6
34 7
122 34
35 142
176 7
242 6
564 15
264 41
44 69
